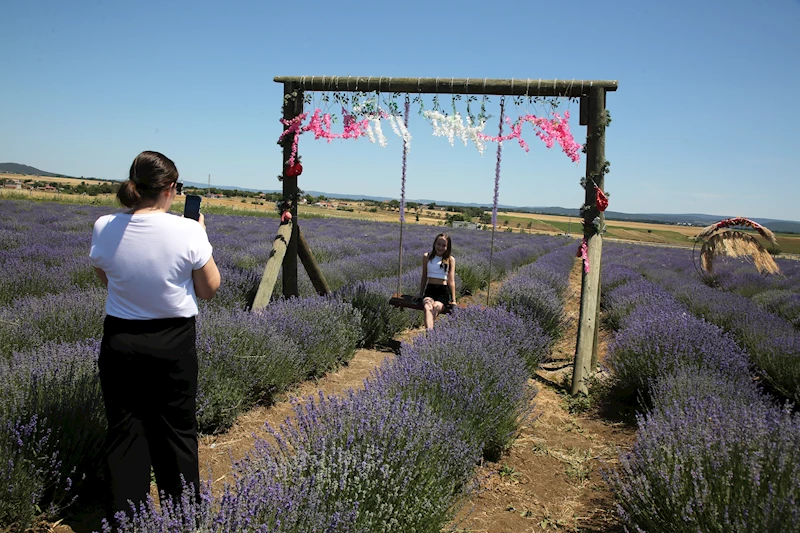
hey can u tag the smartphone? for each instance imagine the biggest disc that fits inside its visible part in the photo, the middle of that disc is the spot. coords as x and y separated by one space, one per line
191 208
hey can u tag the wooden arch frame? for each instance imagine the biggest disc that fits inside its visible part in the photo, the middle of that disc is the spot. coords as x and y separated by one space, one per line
289 243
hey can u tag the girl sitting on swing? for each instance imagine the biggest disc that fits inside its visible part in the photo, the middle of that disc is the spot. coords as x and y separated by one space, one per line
437 287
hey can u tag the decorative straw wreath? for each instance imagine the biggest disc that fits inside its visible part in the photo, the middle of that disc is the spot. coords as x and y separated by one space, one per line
718 239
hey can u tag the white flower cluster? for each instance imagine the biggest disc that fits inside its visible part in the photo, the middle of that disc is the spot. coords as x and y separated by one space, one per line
452 126
399 128
374 129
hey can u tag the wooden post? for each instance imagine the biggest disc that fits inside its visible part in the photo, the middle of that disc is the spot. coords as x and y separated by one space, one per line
292 107
276 257
311 266
586 349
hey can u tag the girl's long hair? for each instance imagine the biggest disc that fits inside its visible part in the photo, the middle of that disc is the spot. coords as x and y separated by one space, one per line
446 255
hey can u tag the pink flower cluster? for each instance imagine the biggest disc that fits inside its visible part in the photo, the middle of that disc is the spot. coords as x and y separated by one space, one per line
353 128
321 127
550 131
583 252
293 127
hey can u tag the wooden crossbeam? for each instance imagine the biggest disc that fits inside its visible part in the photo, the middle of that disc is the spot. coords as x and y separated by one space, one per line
507 87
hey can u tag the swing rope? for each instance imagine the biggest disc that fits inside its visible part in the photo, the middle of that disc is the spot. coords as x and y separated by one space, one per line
403 196
496 195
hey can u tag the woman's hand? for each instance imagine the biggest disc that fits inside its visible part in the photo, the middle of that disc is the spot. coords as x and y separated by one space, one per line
202 221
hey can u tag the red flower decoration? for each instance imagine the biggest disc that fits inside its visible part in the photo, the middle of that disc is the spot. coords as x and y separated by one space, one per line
601 200
294 170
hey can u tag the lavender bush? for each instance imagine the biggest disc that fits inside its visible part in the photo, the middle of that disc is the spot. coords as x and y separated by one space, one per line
655 340
781 302
472 377
58 385
390 460
32 487
242 361
527 339
712 463
327 330
380 322
66 317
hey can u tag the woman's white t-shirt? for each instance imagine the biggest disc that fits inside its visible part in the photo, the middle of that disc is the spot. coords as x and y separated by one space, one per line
149 260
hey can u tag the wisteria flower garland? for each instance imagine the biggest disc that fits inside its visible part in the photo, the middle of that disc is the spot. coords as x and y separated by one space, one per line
551 130
321 126
400 129
406 144
497 167
452 126
374 128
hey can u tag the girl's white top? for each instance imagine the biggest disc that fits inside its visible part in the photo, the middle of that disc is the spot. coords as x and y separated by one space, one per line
435 269
149 261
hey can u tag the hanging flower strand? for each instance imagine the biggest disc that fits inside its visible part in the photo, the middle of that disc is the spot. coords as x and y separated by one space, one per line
292 128
497 166
406 143
400 129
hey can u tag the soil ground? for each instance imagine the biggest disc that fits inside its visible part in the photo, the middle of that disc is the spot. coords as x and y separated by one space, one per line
549 480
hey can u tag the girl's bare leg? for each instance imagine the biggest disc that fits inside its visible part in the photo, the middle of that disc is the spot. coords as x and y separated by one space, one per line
430 312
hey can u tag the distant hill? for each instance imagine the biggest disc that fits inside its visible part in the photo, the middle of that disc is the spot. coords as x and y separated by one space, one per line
16 168
690 219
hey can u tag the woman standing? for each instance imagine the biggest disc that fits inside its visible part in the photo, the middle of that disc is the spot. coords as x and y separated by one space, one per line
438 286
155 266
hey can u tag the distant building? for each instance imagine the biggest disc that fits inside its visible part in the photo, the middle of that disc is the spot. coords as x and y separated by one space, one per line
13 184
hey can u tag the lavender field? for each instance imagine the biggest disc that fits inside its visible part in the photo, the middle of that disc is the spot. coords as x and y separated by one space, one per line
451 399
711 365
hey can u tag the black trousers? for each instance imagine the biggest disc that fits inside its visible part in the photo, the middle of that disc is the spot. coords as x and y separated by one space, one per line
148 374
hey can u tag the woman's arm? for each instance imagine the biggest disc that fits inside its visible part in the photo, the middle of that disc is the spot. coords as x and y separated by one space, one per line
451 279
102 275
424 280
206 280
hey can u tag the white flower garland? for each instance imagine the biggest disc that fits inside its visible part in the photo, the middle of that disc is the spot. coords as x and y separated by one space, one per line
452 126
399 128
374 125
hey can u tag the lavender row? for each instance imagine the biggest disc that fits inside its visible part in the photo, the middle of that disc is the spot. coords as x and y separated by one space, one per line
656 334
772 343
537 291
398 455
712 452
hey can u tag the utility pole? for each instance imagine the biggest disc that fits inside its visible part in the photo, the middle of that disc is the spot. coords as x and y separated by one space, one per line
209 184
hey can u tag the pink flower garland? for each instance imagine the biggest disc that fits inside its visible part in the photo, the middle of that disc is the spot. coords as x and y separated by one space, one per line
353 129
321 127
550 131
293 128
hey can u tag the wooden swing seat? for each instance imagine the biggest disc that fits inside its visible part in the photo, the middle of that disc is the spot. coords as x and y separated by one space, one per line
407 301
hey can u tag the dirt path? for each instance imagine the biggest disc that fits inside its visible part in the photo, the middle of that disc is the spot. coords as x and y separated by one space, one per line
549 479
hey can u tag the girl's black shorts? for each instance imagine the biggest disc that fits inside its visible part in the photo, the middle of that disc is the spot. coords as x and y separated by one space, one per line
439 293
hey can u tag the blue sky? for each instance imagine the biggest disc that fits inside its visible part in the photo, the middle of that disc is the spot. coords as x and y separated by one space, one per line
703 122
